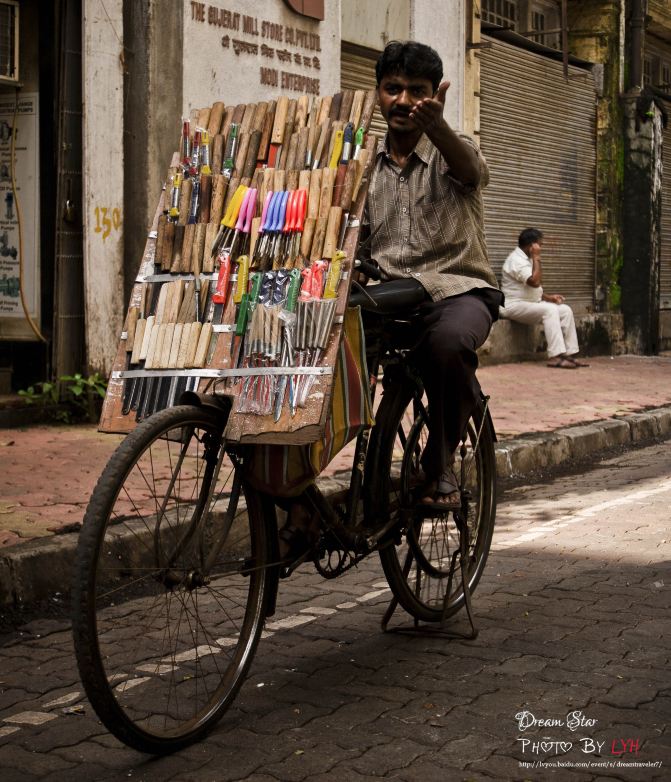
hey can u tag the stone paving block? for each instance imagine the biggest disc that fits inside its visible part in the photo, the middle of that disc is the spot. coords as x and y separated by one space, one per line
505 767
427 771
92 753
277 720
382 760
659 706
431 735
13 757
353 715
340 775
86 772
295 692
521 665
556 674
306 764
630 695
322 730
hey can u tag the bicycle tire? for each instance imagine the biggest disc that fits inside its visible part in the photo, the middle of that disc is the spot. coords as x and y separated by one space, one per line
420 566
162 645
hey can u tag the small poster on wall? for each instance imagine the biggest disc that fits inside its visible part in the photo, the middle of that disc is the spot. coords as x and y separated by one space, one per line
19 201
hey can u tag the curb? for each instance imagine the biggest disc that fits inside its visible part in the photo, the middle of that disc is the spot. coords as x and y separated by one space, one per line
42 569
522 455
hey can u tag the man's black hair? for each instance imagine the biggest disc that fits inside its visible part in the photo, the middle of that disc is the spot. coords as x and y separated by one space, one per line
413 59
529 236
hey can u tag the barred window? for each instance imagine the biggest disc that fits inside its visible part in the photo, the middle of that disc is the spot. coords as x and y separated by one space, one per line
545 25
501 12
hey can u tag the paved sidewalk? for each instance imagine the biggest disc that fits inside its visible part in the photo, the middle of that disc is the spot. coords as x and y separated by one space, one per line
542 417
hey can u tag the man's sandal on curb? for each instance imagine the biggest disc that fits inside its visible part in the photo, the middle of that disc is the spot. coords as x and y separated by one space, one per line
561 362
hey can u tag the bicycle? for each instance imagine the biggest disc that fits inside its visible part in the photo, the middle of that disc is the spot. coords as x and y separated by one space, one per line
178 560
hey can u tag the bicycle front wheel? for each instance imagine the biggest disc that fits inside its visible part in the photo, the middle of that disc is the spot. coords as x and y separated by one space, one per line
171 582
422 570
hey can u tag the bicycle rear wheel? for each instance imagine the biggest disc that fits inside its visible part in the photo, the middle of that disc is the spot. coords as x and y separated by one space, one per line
422 567
171 582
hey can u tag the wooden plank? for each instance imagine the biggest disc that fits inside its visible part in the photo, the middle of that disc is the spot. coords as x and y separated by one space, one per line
177 341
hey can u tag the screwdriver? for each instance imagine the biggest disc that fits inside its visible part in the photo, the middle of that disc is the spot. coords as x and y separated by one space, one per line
258 254
264 244
228 163
337 149
287 344
277 226
228 220
300 209
174 197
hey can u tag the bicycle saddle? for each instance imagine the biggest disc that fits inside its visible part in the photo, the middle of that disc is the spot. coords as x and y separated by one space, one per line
389 298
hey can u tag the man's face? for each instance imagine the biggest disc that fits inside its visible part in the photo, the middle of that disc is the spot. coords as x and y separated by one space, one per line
397 94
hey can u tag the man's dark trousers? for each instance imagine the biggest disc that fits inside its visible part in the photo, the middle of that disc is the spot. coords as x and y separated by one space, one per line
452 330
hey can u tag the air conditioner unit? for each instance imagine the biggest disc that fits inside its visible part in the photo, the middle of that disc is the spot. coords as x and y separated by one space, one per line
9 42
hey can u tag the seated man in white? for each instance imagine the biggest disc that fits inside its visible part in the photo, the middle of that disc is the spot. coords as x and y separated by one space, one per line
521 283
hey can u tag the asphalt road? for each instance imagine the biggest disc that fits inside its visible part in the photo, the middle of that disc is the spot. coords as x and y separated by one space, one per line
568 678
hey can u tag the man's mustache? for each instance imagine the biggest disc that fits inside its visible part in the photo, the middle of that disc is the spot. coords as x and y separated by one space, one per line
399 112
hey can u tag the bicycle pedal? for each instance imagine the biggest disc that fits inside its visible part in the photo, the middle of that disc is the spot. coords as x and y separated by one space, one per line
287 569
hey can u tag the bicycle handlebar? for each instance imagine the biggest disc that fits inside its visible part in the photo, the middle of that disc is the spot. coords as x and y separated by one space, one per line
368 269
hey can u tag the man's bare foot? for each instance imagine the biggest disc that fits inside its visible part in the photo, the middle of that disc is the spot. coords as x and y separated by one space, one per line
300 532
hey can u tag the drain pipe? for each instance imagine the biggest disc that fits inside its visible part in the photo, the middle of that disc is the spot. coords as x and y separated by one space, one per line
637 32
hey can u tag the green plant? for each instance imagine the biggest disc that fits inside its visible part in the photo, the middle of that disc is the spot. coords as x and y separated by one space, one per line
68 398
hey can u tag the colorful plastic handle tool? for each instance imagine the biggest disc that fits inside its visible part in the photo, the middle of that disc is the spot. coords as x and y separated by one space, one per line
264 213
242 214
243 278
250 211
231 214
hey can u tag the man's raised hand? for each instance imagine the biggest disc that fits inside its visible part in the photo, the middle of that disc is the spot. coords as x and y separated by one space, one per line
428 112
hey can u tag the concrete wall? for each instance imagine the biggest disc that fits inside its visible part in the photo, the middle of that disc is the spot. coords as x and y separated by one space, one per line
596 35
152 116
665 330
375 24
103 210
641 226
443 26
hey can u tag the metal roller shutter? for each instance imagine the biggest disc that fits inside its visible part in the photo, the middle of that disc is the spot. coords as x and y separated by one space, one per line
538 135
357 72
665 264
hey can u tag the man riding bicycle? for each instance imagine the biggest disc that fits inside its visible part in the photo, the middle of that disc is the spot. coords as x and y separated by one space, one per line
424 220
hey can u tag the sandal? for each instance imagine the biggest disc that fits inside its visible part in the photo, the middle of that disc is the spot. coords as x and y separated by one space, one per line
438 493
562 363
576 362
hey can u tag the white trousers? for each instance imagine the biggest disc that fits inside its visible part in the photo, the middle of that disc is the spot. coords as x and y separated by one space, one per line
557 320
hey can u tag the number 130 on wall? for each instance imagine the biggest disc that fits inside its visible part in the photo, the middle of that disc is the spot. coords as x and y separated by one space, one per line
107 220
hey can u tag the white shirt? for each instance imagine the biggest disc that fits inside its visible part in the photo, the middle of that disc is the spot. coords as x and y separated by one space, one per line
514 275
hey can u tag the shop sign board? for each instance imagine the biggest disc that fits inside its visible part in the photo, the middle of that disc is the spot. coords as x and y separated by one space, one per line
241 51
21 202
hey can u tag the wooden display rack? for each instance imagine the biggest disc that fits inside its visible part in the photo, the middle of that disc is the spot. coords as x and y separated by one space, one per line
277 146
